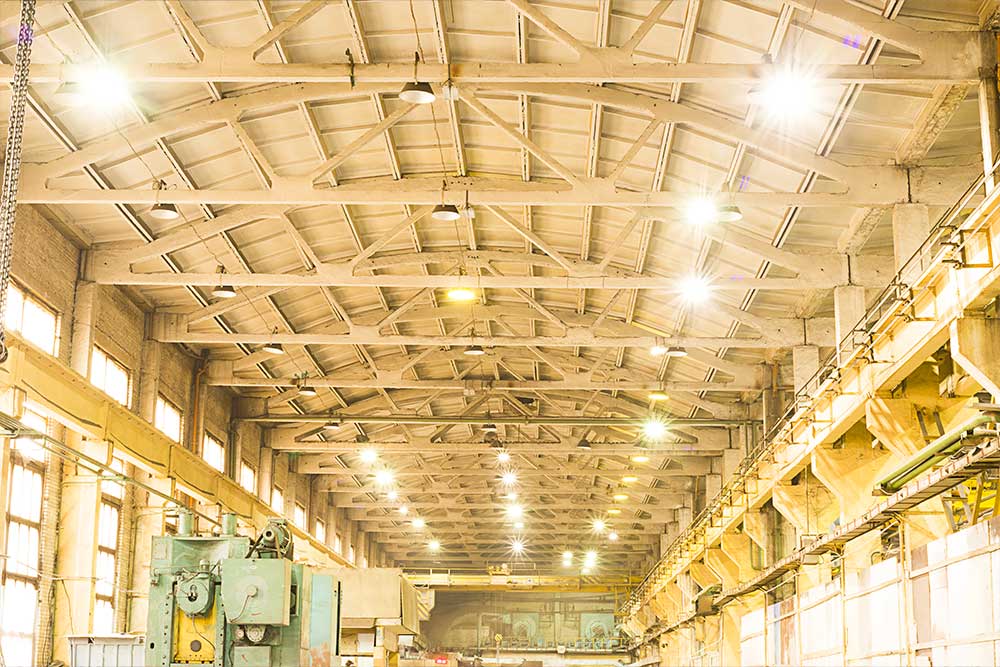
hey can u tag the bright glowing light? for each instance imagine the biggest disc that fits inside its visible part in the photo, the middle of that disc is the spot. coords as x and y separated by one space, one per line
599 525
517 545
786 94
659 396
101 86
392 495
434 545
369 456
590 558
511 496
404 510
614 510
701 211
418 523
509 478
503 457
654 429
585 570
620 497
613 536
695 289
518 525
515 511
639 458
461 294
658 350
383 477
568 555
629 478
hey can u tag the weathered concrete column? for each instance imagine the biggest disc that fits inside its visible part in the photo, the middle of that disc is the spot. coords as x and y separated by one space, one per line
808 504
149 521
910 227
737 547
974 345
723 566
848 309
805 363
850 468
989 106
149 379
758 525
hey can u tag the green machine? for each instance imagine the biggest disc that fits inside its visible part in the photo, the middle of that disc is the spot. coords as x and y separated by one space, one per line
229 601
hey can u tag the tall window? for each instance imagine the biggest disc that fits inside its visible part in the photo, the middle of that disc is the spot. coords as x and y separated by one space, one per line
351 556
248 477
108 524
110 377
319 530
299 516
168 419
33 320
277 500
338 544
214 453
19 576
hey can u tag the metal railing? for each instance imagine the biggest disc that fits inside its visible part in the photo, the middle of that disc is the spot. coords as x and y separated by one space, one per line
947 239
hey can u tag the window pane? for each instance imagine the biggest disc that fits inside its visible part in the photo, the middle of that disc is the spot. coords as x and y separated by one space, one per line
22 548
351 555
26 494
107 526
299 516
320 531
214 453
109 376
338 544
28 448
18 608
105 585
277 500
104 618
15 307
39 326
168 419
114 489
248 477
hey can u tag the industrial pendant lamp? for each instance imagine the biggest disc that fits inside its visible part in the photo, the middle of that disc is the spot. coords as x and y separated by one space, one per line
223 291
730 213
417 92
475 351
446 213
163 210
272 347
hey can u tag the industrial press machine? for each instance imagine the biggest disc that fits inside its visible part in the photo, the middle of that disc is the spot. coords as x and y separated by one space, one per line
230 601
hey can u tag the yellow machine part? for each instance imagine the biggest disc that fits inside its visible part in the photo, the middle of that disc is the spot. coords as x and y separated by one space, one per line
194 637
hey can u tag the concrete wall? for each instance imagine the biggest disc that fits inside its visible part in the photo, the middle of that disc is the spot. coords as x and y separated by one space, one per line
46 264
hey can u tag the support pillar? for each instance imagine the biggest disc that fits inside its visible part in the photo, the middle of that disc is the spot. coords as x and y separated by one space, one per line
723 566
974 345
758 525
805 363
989 107
149 521
848 309
849 468
910 227
808 504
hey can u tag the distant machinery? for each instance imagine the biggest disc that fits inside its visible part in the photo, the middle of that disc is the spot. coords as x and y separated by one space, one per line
229 601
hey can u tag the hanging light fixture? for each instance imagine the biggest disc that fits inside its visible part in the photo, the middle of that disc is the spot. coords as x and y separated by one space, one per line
583 444
474 351
416 91
306 390
730 213
658 395
273 348
676 352
164 211
446 213
224 292
489 428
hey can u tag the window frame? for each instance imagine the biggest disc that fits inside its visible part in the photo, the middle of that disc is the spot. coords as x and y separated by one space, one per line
108 358
207 437
162 400
319 530
26 296
281 495
244 466
299 511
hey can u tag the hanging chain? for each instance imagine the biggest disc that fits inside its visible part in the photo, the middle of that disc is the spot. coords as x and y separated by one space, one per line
12 158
